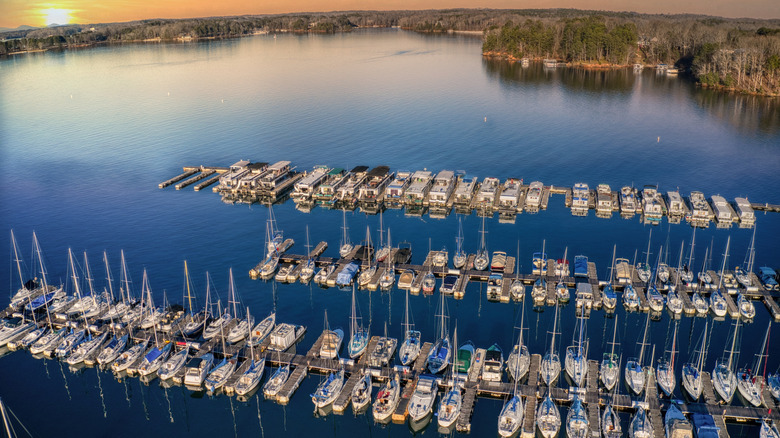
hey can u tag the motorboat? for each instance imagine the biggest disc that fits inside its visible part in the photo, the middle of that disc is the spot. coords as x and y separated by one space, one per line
494 364
421 401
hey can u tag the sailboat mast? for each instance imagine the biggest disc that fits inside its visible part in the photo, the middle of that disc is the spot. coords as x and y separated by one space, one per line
43 274
679 265
647 259
208 297
233 293
16 258
733 343
406 317
723 265
124 274
108 277
187 285
674 343
752 252
644 340
701 351
73 273
353 321
614 333
693 244
612 268
89 275
555 325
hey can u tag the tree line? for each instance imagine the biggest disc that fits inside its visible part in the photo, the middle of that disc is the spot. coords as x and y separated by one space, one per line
739 54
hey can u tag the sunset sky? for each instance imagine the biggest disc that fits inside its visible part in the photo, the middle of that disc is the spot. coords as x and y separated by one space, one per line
14 13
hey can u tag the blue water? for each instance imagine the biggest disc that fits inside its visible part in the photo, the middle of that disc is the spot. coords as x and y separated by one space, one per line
86 136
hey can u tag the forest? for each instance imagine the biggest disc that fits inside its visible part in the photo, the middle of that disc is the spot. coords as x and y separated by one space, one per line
733 54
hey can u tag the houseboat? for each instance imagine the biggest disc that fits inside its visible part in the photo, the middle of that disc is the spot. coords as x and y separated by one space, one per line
627 201
510 194
651 205
443 186
723 212
533 199
348 192
394 194
747 218
603 200
327 190
580 198
488 191
376 180
700 214
307 186
419 187
464 190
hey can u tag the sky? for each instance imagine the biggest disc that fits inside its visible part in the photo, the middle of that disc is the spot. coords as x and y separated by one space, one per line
14 13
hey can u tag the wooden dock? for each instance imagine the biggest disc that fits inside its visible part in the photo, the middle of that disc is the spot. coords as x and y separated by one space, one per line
194 179
399 416
529 419
292 384
343 400
463 424
178 178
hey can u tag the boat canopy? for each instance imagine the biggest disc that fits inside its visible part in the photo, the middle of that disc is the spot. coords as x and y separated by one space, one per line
152 355
705 426
580 266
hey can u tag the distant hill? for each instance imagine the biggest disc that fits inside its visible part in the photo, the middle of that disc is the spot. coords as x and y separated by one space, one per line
22 27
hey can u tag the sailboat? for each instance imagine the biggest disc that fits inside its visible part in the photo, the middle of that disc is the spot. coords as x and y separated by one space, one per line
216 326
358 336
368 273
195 322
361 392
410 348
511 416
346 245
449 408
691 371
517 289
673 301
635 373
610 423
220 374
240 330
577 420
551 363
723 378
640 427
482 260
276 237
252 375
519 359
610 364
665 370
263 329
331 341
460 257
561 291
387 279
539 290
309 266
387 399
643 269
276 381
328 389
609 299
746 380
174 364
576 357
685 272
27 289
548 417
129 356
384 247
113 349
441 350
717 302
742 273
746 308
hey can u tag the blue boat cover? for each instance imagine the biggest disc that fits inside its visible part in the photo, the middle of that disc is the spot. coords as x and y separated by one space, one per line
580 266
705 426
152 355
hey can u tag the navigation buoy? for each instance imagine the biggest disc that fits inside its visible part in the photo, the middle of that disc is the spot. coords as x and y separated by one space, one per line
485 119
169 93
71 97
223 100
659 140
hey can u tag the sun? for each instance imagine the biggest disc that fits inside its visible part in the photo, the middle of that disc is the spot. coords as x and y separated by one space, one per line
56 16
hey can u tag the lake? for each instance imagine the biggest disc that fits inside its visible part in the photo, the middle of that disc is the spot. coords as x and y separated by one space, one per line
87 135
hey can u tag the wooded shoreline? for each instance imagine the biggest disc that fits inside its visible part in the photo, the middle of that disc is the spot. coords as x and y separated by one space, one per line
741 55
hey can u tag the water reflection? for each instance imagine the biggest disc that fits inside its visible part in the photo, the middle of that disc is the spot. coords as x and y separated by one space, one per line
748 114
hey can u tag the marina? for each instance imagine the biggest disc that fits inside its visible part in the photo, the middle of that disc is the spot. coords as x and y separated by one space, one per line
418 192
122 134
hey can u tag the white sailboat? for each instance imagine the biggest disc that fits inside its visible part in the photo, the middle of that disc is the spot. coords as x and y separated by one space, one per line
517 289
460 257
511 416
277 381
366 274
723 379
665 370
691 371
346 246
717 302
576 361
577 420
449 408
387 399
240 330
482 259
358 335
194 321
361 392
635 372
551 363
548 417
746 380
331 341
440 352
610 364
519 360
250 378
219 375
328 389
309 266
410 348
